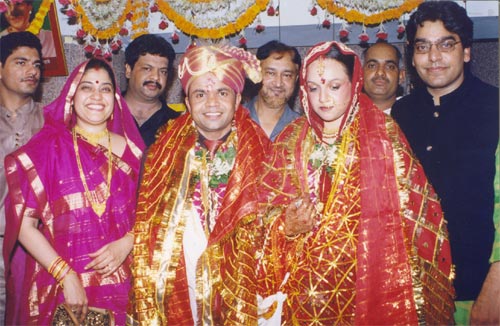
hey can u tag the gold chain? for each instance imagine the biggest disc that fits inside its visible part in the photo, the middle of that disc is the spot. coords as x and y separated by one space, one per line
97 207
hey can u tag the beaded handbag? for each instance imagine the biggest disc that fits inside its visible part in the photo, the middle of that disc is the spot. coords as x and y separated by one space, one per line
63 316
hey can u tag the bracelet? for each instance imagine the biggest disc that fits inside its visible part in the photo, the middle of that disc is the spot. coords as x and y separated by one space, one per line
58 269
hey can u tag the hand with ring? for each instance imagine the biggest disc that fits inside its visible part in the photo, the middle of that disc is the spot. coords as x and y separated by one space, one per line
109 258
299 217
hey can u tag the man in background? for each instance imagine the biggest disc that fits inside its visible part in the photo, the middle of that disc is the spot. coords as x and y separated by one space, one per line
383 70
270 108
20 115
452 124
149 61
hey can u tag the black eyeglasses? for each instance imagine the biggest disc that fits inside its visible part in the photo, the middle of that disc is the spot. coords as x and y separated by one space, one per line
442 46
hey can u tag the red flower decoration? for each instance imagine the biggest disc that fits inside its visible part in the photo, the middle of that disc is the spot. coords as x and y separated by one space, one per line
401 29
154 8
97 52
260 28
107 55
3 7
314 11
363 37
64 2
71 13
326 23
123 31
343 33
89 48
175 38
116 45
129 16
270 11
81 33
382 35
163 25
243 41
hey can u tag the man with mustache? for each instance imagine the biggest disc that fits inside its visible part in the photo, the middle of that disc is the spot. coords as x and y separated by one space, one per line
270 108
149 61
383 71
20 115
452 125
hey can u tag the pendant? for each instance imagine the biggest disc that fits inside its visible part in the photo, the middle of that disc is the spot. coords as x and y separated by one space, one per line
99 208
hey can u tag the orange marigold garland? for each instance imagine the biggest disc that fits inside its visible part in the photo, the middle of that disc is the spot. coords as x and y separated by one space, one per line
211 19
371 15
101 23
37 22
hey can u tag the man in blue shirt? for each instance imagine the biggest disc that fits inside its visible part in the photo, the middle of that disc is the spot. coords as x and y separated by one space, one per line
270 108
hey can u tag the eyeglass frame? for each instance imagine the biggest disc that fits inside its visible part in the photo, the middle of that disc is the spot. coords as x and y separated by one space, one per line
439 43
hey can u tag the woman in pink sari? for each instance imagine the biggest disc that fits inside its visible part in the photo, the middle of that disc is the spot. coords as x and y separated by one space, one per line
71 204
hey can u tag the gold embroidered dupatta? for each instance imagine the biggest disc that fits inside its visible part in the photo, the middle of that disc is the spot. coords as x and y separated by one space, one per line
403 270
160 294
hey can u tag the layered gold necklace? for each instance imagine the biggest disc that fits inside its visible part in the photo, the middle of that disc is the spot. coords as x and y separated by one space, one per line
93 138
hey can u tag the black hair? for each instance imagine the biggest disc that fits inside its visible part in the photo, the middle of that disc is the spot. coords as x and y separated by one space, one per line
95 63
10 42
274 46
150 44
454 19
347 60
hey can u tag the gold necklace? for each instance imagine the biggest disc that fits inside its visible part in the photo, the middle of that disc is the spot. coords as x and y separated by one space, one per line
91 137
97 207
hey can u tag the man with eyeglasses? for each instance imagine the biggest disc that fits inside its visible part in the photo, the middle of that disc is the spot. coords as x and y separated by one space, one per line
452 124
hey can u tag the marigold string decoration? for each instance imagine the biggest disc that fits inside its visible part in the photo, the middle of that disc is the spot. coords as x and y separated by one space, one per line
211 19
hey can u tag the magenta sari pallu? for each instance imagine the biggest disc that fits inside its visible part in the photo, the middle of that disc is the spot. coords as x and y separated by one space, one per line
44 183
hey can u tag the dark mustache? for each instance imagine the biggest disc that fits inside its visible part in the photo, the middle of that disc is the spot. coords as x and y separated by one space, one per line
380 78
157 84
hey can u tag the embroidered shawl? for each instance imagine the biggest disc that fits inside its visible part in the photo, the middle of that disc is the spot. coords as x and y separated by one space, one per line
225 271
403 270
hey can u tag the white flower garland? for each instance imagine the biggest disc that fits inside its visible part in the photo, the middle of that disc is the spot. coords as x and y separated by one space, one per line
103 15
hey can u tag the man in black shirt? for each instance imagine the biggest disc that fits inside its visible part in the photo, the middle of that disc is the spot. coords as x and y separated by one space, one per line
452 125
149 63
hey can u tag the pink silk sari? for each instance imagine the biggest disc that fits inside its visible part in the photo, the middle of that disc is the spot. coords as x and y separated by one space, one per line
44 183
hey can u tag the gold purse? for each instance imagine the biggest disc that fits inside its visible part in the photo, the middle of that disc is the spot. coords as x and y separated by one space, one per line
63 316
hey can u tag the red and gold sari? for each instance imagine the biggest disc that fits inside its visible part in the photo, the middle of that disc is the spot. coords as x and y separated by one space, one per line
44 183
379 252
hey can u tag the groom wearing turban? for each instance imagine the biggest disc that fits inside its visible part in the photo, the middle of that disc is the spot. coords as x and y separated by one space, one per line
196 216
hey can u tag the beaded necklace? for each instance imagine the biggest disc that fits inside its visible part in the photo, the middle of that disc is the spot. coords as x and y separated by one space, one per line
97 207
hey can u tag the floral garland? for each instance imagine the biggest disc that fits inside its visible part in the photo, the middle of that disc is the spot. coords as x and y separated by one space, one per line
210 180
368 12
37 23
103 20
211 19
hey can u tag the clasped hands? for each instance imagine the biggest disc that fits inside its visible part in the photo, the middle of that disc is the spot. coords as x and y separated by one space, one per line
299 216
